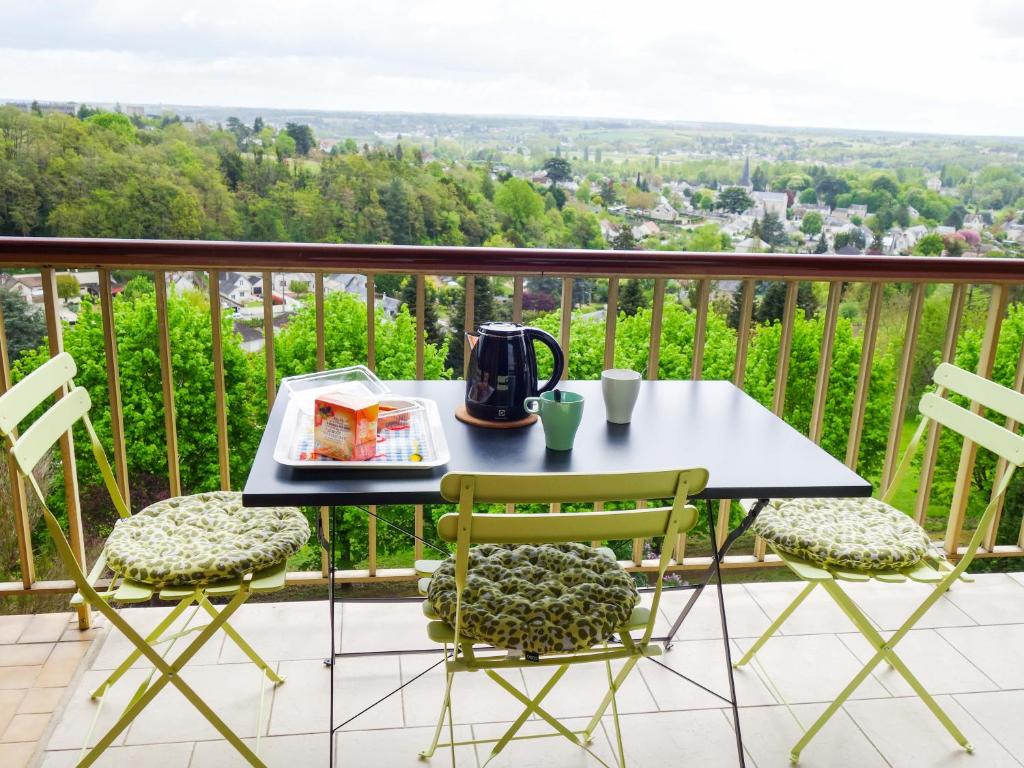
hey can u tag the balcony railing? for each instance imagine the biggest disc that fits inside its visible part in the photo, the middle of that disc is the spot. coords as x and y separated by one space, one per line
997 278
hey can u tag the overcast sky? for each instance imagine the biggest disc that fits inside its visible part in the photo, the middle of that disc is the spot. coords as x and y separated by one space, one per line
914 65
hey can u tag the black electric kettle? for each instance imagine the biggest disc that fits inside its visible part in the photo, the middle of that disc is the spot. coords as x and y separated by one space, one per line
503 370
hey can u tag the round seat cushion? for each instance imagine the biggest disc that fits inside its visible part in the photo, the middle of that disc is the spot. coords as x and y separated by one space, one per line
191 540
856 534
549 598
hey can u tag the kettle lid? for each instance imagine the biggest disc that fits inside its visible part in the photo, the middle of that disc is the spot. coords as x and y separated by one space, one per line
500 329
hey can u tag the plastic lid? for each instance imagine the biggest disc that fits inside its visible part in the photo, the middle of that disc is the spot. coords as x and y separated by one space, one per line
501 329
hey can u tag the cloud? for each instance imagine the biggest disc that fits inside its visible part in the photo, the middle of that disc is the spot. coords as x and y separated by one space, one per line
878 65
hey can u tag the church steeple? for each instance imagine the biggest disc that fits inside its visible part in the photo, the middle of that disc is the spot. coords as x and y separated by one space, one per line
745 178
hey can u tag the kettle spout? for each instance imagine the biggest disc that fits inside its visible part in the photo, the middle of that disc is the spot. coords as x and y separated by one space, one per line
472 339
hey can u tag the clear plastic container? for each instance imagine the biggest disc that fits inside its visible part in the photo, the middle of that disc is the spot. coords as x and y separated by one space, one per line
356 380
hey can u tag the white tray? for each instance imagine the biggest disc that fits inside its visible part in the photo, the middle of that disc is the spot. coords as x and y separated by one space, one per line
426 434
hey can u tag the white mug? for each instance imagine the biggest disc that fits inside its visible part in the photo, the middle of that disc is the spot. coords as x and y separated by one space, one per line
620 388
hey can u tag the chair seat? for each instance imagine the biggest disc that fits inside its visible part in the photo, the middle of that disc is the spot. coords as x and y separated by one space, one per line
855 534
203 538
551 598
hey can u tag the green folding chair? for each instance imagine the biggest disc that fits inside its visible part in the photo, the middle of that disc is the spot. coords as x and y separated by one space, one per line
519 592
828 541
28 448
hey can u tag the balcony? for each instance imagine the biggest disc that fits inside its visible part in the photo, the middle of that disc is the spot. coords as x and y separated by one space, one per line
978 324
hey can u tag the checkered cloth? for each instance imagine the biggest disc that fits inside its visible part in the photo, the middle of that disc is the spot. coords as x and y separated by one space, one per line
397 444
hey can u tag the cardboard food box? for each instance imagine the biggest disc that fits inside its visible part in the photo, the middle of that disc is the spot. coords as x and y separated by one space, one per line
345 427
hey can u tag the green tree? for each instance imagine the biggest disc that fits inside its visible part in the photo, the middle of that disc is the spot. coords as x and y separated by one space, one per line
24 325
633 298
759 179
811 224
734 200
808 197
558 169
519 203
68 287
822 244
772 231
624 240
302 135
483 312
431 323
854 237
929 245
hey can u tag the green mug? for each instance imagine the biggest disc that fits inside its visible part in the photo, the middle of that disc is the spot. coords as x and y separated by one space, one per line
561 419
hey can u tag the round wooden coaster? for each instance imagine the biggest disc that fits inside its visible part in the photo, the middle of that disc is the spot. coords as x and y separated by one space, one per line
463 415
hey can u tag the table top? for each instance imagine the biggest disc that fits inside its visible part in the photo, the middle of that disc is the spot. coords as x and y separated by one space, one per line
748 451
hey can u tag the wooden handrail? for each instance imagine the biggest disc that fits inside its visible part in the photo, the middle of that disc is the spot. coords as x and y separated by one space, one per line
407 259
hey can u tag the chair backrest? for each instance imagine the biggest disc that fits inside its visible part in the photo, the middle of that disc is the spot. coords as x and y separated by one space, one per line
996 438
59 419
466 527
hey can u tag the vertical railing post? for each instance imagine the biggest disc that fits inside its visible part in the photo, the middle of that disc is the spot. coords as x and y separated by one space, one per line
19 502
268 338
899 406
220 399
518 284
421 298
371 322
321 340
55 339
700 328
969 451
867 354
931 450
611 317
469 293
114 385
565 329
828 340
657 315
163 336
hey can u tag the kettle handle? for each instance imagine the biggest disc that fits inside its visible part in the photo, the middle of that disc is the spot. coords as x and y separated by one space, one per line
536 334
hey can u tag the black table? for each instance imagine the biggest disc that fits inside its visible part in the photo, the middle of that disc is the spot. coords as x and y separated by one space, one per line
748 451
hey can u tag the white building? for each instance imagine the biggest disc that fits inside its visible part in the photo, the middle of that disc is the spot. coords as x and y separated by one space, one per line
771 202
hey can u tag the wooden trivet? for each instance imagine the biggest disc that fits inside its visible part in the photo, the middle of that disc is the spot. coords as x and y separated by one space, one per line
463 415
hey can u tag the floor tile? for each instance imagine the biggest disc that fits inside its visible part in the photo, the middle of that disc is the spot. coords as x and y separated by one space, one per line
18 677
12 626
77 715
1017 576
475 697
937 664
279 631
26 728
9 703
230 690
704 662
999 714
298 751
45 628
367 626
745 617
301 702
116 646
400 749
17 755
39 700
701 737
769 734
62 664
25 654
546 752
992 598
816 615
160 756
581 689
808 668
889 605
998 651
910 736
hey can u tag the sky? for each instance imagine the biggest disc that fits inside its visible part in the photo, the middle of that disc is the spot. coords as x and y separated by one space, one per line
901 65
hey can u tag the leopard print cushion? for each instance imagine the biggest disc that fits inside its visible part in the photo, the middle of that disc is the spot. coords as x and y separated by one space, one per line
857 534
206 537
550 598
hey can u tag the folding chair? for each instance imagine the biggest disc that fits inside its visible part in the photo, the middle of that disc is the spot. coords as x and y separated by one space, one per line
73 407
817 563
462 621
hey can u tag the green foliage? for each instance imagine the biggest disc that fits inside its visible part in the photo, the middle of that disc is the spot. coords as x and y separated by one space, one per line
68 287
632 298
558 169
519 203
24 325
302 135
734 200
929 245
811 224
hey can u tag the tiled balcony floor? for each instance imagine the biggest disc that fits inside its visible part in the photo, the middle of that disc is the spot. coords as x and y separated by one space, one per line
969 652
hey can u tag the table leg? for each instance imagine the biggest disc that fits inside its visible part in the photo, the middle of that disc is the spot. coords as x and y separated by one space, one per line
329 661
715 571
